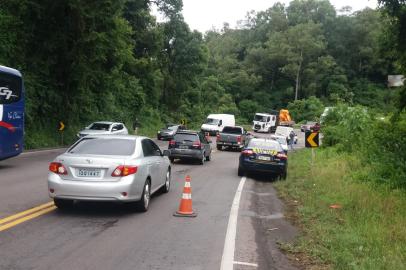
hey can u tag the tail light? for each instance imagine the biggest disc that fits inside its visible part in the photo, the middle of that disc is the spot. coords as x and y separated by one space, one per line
197 144
282 156
124 171
247 152
172 143
57 168
239 139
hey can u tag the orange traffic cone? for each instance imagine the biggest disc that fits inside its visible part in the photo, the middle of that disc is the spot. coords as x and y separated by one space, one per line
185 207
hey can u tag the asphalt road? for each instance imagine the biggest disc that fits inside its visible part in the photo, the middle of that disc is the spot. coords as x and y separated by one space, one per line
110 236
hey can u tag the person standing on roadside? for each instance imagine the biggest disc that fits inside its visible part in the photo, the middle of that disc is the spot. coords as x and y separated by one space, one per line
291 139
135 125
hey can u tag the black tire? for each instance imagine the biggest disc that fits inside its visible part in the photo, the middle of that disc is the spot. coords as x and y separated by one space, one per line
167 186
203 159
283 175
241 171
219 147
143 204
63 204
208 158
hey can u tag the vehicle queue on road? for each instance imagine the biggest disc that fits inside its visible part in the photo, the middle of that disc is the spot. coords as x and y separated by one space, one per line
107 164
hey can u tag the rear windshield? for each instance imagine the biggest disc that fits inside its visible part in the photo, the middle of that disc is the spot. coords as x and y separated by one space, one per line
266 145
186 137
232 130
10 88
108 147
100 126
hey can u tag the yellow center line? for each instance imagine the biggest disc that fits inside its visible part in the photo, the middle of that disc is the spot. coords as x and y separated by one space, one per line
26 218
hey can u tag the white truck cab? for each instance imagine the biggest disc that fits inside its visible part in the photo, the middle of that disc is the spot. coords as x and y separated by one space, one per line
216 122
264 122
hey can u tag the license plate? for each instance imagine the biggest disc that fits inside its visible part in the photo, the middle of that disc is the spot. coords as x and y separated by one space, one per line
89 173
264 158
183 146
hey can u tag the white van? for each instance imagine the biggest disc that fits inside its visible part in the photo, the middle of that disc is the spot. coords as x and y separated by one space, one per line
285 131
215 123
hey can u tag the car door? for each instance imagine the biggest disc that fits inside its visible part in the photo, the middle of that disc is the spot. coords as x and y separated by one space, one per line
205 143
161 164
151 161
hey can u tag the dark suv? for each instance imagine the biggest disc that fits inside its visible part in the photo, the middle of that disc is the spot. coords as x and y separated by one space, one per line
190 145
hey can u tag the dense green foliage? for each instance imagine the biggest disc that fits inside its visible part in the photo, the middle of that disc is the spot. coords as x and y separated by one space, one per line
378 142
366 232
111 60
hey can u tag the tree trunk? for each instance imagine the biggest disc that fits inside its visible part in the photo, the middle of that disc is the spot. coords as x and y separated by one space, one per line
298 75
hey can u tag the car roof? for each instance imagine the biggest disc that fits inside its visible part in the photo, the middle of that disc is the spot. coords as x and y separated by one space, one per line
106 122
118 136
187 132
234 126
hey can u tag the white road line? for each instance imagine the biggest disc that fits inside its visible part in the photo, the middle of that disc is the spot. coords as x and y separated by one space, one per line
247 264
227 261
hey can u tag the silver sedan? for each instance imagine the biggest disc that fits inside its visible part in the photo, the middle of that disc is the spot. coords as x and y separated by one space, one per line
120 168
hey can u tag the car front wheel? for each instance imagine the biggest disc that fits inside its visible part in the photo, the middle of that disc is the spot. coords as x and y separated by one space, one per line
167 185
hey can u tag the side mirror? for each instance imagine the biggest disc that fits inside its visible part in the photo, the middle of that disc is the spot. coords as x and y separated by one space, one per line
166 153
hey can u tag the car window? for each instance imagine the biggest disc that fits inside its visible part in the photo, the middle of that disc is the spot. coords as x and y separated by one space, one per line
173 128
232 130
180 137
102 146
10 88
100 126
265 144
202 138
155 148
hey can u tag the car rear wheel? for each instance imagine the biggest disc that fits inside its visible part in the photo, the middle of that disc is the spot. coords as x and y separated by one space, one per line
283 175
219 147
63 204
143 204
240 171
165 188
202 160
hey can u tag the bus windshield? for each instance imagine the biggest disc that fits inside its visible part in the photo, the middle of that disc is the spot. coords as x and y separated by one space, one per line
10 88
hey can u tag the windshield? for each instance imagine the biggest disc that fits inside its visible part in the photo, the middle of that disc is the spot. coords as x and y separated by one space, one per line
10 88
232 130
100 126
212 121
173 128
265 144
108 147
260 118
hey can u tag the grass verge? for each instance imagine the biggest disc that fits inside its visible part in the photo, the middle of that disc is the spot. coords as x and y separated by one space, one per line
367 231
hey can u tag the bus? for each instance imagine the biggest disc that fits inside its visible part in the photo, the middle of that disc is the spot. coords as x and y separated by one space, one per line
11 112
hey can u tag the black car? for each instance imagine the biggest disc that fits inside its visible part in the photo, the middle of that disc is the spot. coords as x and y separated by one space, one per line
169 131
190 145
263 155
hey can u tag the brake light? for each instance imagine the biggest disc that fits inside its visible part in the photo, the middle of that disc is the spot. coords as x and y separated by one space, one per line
172 143
197 144
57 168
247 152
124 171
239 139
282 156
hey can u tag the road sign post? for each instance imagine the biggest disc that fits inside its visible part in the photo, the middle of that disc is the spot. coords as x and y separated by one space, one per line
312 141
61 128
